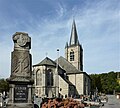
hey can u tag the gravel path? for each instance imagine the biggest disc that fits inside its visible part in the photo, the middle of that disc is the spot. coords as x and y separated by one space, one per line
113 102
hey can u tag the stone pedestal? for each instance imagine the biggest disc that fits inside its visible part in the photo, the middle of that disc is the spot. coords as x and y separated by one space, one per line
20 81
20 93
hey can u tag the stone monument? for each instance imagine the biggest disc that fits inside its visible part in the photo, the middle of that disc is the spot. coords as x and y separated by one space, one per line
20 81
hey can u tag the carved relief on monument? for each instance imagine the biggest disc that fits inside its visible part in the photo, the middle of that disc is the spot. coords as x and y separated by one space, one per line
21 58
20 63
21 41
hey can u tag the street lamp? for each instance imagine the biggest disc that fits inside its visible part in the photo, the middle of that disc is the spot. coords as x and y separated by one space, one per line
57 73
57 58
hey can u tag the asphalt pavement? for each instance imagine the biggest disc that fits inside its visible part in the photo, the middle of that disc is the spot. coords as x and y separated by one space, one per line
113 102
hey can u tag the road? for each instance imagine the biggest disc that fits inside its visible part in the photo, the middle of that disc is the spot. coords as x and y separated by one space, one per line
113 102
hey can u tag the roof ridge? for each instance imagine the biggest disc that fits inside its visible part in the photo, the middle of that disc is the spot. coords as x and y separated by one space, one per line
46 61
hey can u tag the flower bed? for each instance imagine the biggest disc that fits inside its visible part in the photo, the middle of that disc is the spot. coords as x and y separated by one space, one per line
62 103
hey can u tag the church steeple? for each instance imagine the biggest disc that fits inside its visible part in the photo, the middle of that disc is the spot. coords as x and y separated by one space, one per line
74 51
74 37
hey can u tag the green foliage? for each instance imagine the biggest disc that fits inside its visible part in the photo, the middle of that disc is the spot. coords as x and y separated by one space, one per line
4 86
96 82
117 88
105 82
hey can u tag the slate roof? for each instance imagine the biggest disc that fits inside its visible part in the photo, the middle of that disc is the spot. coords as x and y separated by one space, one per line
47 61
67 66
74 38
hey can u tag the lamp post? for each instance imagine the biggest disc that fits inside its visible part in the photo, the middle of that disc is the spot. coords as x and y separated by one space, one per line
57 58
57 73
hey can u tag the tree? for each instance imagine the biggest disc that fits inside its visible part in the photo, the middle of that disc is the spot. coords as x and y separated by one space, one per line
96 83
105 82
4 86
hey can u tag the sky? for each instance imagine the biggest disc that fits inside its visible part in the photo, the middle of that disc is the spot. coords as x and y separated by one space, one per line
49 23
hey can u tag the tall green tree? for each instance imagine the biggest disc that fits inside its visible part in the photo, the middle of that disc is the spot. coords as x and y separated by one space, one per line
96 83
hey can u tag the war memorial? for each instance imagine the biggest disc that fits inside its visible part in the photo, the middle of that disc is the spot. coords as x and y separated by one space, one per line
20 81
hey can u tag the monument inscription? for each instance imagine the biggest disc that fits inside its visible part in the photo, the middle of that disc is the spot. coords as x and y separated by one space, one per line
20 94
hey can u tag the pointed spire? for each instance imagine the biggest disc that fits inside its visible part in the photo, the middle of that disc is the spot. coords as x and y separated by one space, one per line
74 38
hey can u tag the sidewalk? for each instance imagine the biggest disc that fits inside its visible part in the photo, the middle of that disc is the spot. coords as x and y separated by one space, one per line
113 102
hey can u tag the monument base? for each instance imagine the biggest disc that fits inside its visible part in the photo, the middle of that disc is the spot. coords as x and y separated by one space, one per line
20 105
20 93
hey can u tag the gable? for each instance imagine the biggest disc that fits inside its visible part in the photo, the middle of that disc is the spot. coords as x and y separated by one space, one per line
47 61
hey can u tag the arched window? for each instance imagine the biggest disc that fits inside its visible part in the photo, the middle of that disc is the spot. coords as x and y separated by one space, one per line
38 77
49 77
72 56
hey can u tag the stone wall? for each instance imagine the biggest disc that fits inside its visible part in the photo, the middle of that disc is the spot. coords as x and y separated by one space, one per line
63 87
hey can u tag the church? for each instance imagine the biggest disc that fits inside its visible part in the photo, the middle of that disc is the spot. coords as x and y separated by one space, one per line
63 77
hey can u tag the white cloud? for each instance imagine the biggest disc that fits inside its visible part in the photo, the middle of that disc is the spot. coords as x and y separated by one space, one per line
60 10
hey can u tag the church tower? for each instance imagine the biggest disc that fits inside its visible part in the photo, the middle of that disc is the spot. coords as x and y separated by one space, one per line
73 50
